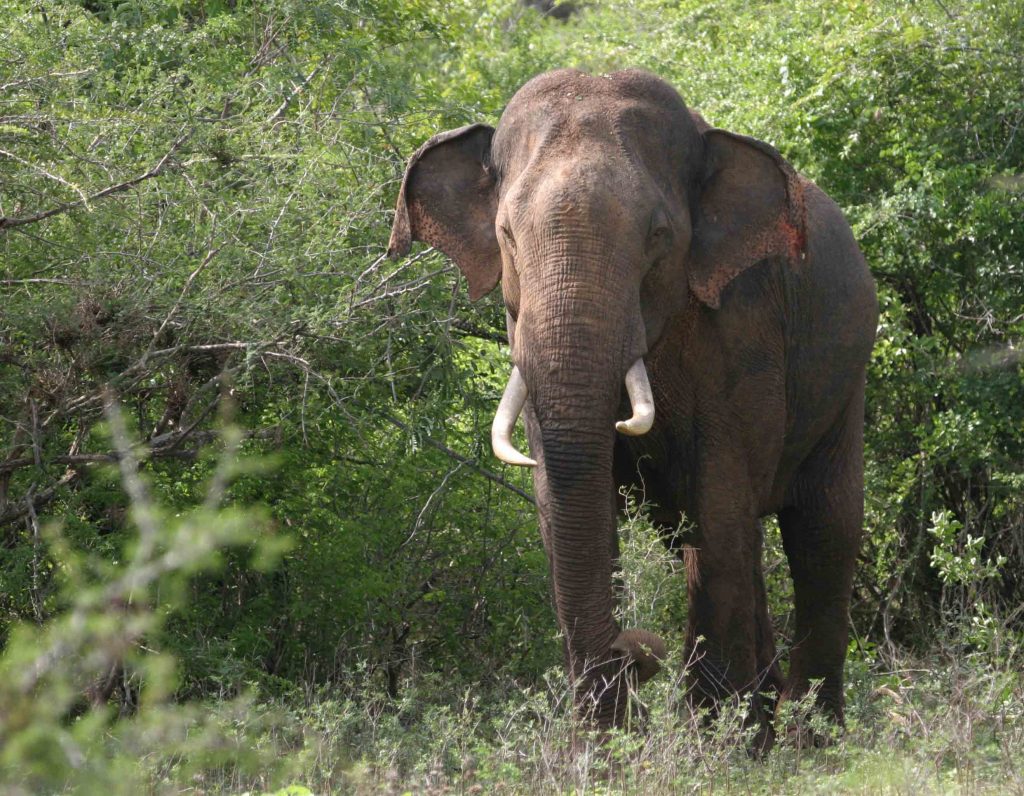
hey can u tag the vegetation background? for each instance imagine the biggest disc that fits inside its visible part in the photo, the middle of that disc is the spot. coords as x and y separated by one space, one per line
251 535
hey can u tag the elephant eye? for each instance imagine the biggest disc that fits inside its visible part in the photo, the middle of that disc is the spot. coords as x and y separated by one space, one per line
510 242
659 233
658 240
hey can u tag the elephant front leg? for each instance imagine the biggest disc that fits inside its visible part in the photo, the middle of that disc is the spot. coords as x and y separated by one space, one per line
723 618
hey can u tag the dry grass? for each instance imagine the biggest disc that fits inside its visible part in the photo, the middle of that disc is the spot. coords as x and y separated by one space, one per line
951 724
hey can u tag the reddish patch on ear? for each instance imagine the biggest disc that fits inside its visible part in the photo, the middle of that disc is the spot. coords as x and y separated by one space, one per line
794 238
751 208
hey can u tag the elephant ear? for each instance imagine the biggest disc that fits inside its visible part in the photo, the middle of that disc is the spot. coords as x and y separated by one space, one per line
449 200
750 208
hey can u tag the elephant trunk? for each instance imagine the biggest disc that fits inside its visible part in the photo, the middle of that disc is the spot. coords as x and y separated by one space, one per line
575 392
577 518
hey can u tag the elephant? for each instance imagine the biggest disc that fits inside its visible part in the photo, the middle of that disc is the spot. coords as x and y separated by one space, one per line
687 313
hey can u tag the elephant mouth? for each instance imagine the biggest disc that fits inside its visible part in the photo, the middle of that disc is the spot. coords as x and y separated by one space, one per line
513 399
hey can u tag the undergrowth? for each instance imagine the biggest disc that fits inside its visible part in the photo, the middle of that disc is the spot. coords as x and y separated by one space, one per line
942 725
949 722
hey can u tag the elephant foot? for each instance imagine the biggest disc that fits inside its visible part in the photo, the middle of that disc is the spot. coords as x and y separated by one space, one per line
759 720
763 741
810 721
803 737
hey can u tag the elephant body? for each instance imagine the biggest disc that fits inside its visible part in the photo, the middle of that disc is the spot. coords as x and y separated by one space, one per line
653 264
764 422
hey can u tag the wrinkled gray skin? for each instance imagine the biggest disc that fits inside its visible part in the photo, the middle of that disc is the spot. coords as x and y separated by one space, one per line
622 227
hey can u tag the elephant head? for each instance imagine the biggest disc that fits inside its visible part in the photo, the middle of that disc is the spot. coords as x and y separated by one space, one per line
607 210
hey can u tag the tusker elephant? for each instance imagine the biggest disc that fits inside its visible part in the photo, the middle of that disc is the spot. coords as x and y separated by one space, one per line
684 312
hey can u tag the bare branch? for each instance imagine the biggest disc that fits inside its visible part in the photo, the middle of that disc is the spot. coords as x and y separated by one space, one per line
29 80
36 500
8 221
44 280
142 510
297 88
161 447
472 463
472 330
49 175
181 297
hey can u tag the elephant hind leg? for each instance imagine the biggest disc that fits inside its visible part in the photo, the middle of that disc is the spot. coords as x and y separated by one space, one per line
821 532
770 681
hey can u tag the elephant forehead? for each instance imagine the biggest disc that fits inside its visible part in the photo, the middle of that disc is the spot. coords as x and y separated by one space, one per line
571 120
590 189
566 114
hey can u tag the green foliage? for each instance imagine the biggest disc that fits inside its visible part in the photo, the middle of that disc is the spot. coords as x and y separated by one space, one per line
56 678
965 566
652 581
194 204
245 262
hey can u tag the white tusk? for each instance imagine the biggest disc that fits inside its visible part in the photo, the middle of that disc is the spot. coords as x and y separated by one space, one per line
641 399
509 409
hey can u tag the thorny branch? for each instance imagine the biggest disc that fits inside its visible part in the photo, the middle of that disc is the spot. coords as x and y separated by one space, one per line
297 88
50 76
9 221
473 464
